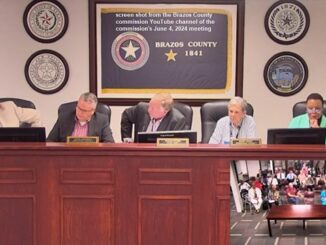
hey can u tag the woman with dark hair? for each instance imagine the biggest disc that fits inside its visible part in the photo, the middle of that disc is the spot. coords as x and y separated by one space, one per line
314 117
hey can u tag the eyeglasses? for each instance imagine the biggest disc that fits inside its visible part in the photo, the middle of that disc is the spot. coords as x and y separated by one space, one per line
85 111
313 110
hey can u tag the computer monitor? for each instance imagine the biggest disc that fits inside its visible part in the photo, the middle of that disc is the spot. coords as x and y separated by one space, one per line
296 136
150 137
22 134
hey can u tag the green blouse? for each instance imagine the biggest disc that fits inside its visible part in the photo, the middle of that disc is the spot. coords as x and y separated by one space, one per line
302 121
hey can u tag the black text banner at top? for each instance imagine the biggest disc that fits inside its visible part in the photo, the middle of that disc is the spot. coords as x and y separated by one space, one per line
185 48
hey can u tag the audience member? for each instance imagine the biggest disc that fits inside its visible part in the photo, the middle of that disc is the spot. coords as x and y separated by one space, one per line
291 177
304 169
280 174
321 180
13 116
236 125
310 183
323 195
83 121
308 196
244 189
255 197
157 115
272 180
257 182
244 185
273 196
302 177
291 193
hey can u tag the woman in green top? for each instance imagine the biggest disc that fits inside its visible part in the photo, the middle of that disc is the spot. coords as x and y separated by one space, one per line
314 117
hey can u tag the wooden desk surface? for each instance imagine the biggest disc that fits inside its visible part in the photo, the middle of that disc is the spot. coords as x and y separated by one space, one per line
259 152
303 211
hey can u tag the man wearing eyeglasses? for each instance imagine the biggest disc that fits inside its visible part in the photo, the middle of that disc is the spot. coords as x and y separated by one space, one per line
83 121
314 117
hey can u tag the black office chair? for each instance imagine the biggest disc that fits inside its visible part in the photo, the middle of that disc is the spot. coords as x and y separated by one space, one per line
71 106
211 112
186 110
299 108
21 103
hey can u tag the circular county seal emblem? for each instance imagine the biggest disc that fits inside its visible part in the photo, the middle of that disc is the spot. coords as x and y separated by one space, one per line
286 73
130 51
46 71
287 22
45 21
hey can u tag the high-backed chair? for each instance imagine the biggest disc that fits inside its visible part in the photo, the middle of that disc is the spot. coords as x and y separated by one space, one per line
21 103
299 108
71 106
186 110
211 112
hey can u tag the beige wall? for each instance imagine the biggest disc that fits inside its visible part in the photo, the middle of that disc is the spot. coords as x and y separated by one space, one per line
270 110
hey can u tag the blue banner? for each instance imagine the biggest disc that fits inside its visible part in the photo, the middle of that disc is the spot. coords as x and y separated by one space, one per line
164 49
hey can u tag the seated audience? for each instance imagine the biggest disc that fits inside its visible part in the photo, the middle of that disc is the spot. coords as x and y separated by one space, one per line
83 121
292 194
244 189
13 116
305 169
273 196
321 180
255 197
158 115
291 177
302 177
236 125
310 183
256 182
272 180
244 185
308 196
280 175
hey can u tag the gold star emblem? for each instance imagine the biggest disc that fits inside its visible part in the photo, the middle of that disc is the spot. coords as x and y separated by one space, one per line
171 55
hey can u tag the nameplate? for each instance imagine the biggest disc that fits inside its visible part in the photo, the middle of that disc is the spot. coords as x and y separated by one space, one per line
172 142
245 142
82 140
